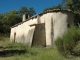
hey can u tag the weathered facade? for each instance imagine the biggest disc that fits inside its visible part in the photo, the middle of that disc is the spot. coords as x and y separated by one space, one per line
42 29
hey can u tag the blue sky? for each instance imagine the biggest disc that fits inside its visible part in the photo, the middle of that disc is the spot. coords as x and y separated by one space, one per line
38 5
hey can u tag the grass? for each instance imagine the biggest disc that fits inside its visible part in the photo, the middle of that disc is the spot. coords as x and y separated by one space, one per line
33 53
69 43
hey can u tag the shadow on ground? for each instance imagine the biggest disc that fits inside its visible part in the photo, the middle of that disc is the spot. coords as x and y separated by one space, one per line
11 52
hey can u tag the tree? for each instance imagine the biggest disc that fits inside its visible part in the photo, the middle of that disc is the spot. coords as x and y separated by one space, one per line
26 10
9 19
32 11
13 17
1 16
1 25
59 6
74 5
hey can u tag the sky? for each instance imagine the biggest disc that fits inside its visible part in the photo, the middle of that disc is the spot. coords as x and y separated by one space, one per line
38 5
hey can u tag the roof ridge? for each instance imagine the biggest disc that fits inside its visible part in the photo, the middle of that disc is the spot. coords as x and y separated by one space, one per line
47 11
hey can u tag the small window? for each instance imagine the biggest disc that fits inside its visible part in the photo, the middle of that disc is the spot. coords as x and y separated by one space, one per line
26 16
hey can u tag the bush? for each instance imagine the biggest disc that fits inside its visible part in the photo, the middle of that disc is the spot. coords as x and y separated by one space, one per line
69 41
77 49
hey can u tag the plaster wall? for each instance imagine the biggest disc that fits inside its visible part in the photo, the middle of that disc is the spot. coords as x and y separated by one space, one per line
24 17
12 34
47 18
24 33
28 34
55 24
61 22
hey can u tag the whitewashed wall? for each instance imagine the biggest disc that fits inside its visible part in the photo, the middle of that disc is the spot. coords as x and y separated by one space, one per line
12 34
24 33
47 18
55 25
28 33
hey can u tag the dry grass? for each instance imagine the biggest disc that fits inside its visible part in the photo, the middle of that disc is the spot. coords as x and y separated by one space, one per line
34 53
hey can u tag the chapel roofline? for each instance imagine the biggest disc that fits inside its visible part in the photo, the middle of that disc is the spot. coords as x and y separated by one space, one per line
40 14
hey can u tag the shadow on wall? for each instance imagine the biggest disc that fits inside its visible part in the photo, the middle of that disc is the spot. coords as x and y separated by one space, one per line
39 37
23 39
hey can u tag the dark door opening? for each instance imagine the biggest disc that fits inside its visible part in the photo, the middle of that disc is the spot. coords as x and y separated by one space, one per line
14 37
39 38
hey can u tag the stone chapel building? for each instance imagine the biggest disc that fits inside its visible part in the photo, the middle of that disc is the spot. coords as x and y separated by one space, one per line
42 29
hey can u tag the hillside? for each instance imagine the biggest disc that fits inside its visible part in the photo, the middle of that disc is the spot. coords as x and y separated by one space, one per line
34 53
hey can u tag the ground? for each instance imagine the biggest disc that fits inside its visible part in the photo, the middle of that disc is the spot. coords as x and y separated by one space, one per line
31 53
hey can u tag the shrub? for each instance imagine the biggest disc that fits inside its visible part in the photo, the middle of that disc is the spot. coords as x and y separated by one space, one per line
69 41
76 50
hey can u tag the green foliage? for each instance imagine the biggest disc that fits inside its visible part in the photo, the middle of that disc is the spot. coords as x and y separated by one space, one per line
13 17
26 10
77 49
16 45
8 20
74 5
30 53
59 6
68 42
1 16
